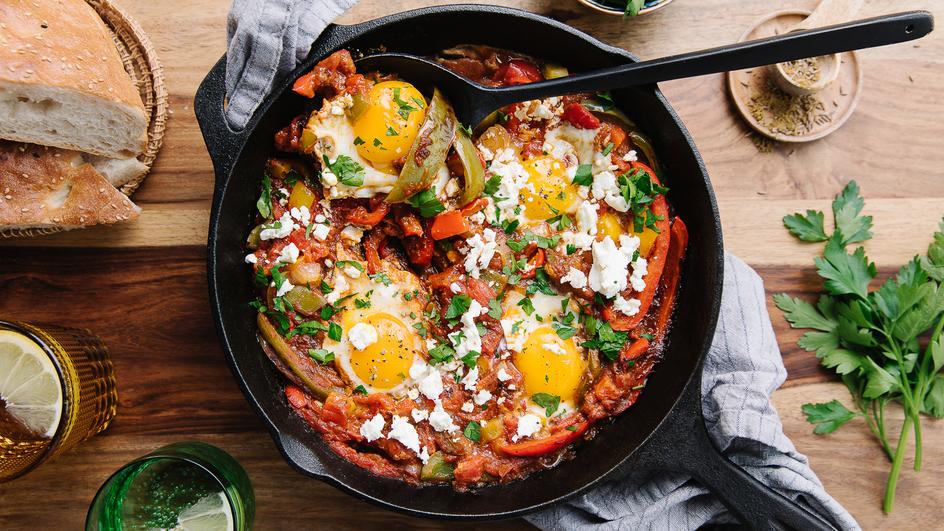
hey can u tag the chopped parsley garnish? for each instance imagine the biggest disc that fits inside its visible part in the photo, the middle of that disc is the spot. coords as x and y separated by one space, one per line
360 304
420 329
308 328
325 288
381 278
465 129
427 203
491 185
502 117
361 390
458 305
264 204
549 402
392 132
441 353
471 359
358 141
321 355
609 147
334 331
510 226
347 170
608 341
540 283
584 175
473 431
639 190
377 142
571 249
494 309
526 305
404 108
343 263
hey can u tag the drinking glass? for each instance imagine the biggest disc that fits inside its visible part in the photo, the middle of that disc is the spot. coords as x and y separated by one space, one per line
187 486
57 388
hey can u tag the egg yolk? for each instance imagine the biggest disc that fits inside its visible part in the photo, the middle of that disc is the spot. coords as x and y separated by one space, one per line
550 191
609 224
387 127
556 370
382 365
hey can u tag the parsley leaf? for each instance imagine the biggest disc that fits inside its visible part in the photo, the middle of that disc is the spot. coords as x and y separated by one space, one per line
458 305
808 228
608 341
441 353
427 203
491 185
584 175
846 209
473 431
264 204
549 402
845 273
321 355
361 390
347 170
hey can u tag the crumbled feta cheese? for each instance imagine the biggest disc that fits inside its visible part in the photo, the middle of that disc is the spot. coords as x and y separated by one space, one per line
482 397
629 244
451 188
431 385
513 178
555 348
468 406
362 335
352 233
609 271
440 420
289 254
419 415
340 286
481 250
352 271
587 218
628 307
328 178
372 429
455 287
413 393
401 430
630 156
284 288
487 154
478 218
606 188
251 258
575 278
321 231
500 401
302 215
528 425
503 375
280 229
637 279
470 379
467 338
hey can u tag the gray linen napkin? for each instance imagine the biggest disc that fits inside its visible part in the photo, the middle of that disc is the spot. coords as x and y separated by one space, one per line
267 38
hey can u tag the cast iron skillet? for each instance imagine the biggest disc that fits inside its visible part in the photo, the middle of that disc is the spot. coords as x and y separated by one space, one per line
663 430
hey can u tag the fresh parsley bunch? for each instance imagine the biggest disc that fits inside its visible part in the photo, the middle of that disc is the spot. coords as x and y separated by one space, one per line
885 344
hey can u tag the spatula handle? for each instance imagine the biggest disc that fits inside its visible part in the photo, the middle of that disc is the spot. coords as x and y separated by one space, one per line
855 35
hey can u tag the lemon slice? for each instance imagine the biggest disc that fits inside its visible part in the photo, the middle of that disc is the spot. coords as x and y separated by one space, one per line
210 513
29 384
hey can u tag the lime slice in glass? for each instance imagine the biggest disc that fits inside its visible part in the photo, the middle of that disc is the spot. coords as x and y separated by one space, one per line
29 384
210 513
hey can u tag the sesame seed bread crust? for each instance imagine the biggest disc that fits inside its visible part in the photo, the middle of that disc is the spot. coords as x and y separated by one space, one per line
62 82
44 187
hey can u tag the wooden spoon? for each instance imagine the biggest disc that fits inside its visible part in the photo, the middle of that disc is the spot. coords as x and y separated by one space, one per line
825 68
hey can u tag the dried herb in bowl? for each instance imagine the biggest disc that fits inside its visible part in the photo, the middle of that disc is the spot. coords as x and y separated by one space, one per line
885 344
629 8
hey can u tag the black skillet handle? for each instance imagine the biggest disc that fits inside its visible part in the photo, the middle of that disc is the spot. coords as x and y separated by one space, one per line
683 443
222 142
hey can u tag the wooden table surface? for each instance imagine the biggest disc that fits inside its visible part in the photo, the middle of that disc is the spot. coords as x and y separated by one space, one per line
142 286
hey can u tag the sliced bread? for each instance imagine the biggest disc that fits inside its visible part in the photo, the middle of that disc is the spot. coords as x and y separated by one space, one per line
44 187
62 82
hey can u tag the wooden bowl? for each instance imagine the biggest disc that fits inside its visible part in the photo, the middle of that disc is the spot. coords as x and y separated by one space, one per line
596 6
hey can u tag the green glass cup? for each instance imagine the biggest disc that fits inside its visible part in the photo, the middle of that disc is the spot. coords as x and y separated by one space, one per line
187 486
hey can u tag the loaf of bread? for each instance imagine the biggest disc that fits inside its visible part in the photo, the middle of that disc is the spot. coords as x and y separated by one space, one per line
44 187
62 82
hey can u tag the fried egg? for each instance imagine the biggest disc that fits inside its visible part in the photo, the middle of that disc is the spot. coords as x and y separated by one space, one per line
548 363
372 131
378 322
550 190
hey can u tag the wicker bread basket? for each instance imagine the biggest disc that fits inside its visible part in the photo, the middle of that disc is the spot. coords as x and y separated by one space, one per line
140 61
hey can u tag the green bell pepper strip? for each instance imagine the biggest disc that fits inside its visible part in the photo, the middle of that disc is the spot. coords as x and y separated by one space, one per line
428 152
472 167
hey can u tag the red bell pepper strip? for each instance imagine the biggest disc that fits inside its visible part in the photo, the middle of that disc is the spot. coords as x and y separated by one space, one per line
580 117
656 263
548 444
517 72
537 260
448 224
635 349
368 218
672 275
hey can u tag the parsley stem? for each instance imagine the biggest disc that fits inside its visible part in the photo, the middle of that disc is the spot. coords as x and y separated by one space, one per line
896 465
